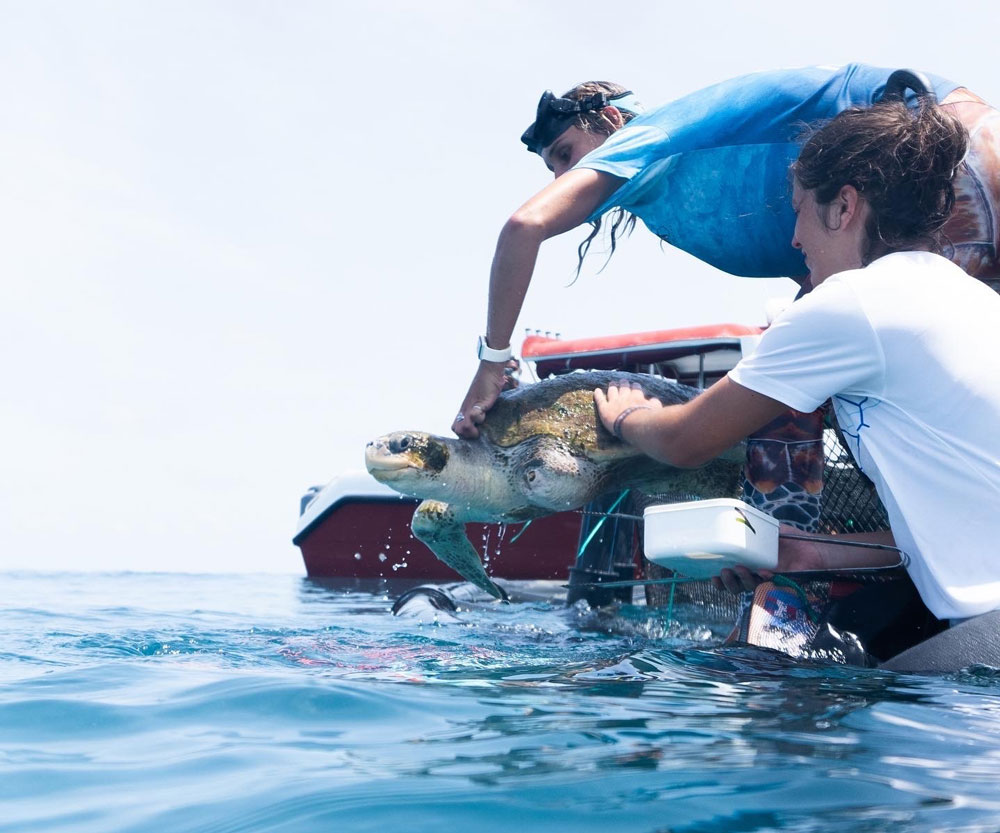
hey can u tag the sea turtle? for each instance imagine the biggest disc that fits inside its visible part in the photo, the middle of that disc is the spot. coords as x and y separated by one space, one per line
542 449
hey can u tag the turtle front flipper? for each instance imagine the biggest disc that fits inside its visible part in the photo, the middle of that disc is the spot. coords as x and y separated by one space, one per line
435 524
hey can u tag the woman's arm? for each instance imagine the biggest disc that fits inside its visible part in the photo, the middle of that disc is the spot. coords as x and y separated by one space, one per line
563 205
820 552
695 432
690 434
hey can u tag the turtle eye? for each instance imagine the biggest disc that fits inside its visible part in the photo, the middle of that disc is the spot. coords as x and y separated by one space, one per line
531 471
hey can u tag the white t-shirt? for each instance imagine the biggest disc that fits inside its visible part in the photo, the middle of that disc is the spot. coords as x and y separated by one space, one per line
908 349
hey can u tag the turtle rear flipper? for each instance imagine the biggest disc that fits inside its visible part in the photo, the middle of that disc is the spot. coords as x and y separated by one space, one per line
436 525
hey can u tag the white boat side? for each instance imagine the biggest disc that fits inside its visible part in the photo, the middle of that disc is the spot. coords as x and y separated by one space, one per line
353 485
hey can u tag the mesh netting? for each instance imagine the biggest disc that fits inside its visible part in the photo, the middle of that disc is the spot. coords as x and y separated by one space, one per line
850 504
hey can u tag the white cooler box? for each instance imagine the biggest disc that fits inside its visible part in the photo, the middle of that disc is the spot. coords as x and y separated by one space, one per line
698 538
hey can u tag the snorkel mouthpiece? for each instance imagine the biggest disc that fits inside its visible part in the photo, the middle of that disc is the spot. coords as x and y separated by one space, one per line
554 115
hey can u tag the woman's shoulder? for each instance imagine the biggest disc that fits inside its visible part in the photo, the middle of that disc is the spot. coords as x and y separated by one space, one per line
917 285
833 305
627 151
913 267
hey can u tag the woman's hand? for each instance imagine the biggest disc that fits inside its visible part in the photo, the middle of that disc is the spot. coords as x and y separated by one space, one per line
490 379
621 397
794 556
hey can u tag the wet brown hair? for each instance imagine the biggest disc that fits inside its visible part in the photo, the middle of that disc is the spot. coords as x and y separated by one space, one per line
900 159
594 122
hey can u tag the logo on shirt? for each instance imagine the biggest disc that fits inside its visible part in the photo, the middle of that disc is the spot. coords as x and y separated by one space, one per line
852 413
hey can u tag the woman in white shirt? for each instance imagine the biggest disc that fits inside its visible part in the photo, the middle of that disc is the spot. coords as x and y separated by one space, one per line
900 338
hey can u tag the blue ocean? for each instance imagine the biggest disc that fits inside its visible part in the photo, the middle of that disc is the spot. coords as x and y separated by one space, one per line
224 703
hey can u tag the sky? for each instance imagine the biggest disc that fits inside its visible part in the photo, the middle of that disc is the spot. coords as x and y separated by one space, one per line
241 239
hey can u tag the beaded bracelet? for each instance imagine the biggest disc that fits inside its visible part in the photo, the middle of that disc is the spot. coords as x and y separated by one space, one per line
616 429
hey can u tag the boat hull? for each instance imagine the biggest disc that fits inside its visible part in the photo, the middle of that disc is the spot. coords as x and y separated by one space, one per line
368 537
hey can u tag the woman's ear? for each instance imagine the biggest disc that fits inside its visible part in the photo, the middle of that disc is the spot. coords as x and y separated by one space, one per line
843 208
614 117
850 206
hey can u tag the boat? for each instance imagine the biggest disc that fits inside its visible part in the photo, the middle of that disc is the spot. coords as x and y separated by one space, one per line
356 529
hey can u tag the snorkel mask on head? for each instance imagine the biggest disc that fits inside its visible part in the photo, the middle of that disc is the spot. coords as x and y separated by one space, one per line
556 114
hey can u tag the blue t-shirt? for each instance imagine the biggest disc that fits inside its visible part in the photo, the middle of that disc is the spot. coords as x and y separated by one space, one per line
709 172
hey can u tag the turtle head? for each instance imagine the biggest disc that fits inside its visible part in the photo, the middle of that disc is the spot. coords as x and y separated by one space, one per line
408 461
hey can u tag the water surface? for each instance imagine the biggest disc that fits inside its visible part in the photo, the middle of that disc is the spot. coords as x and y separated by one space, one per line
151 702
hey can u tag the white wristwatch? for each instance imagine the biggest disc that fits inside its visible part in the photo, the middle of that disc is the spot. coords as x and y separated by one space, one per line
487 353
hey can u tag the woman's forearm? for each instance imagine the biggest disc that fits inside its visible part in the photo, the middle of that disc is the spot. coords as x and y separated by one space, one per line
802 552
693 433
835 552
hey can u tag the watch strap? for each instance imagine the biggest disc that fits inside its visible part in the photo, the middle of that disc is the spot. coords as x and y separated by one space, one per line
488 354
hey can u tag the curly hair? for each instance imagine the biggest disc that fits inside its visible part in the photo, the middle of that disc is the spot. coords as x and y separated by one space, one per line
901 160
593 122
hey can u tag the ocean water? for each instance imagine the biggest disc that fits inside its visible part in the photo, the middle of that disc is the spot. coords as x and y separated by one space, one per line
153 702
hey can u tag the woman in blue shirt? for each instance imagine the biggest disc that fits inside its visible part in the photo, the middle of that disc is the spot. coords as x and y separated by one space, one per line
708 173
